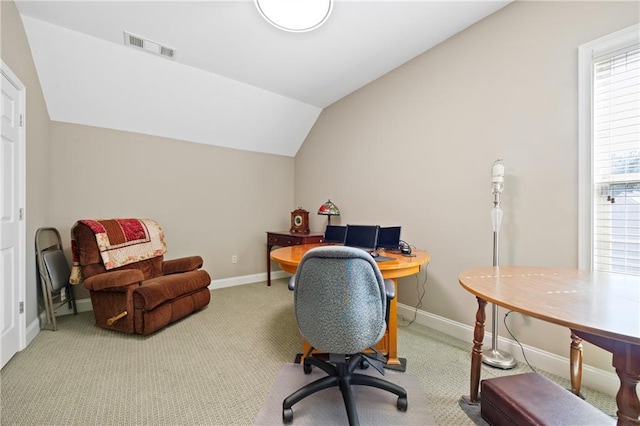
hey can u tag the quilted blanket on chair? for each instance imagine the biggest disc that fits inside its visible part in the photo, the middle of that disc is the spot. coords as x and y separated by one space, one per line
121 242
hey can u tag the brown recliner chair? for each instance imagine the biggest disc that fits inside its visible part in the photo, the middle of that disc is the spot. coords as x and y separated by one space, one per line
141 296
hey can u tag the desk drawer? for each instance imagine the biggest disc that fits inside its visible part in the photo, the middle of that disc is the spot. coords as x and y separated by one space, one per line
282 241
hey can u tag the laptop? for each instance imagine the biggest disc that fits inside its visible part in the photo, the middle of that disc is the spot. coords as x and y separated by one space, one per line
364 237
335 234
389 238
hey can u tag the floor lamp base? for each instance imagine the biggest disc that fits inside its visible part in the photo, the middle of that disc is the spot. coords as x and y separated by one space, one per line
497 358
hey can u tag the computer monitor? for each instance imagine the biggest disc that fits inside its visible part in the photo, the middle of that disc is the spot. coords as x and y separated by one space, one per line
364 237
335 234
389 238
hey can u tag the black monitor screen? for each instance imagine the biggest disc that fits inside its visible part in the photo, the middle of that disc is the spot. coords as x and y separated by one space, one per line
389 238
335 234
362 236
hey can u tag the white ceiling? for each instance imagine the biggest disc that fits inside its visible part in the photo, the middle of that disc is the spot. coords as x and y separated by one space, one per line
236 80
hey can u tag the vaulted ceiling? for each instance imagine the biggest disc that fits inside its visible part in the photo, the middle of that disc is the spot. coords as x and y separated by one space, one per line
235 81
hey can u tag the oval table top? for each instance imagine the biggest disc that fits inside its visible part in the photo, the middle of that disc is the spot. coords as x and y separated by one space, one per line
401 266
600 303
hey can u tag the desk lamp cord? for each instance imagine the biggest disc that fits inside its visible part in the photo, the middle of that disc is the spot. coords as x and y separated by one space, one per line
519 344
421 290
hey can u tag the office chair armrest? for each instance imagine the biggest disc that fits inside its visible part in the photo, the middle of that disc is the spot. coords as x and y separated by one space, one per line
390 289
292 283
114 281
183 264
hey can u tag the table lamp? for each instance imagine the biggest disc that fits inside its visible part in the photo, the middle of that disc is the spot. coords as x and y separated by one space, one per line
329 209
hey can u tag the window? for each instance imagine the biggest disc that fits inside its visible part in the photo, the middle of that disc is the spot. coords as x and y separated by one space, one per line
609 133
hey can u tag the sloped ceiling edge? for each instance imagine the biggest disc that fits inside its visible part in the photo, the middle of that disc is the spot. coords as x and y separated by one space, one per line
89 81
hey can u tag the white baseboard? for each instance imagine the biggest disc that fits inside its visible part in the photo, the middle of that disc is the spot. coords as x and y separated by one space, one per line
82 305
592 377
32 331
246 279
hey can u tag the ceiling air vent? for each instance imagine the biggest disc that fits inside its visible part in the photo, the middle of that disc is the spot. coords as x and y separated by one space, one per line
148 45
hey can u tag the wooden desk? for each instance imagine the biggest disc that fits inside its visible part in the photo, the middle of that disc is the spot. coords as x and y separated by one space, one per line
286 239
289 258
598 306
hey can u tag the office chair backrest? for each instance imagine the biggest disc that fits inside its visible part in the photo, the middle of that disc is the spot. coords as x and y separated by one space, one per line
340 300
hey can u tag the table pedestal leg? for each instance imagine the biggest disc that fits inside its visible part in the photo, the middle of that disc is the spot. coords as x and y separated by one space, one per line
392 356
476 353
575 363
626 360
269 247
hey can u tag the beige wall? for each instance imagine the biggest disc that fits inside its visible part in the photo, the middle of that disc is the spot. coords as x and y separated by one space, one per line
211 201
415 148
16 54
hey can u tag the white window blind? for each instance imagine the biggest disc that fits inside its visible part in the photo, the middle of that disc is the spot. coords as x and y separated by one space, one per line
616 161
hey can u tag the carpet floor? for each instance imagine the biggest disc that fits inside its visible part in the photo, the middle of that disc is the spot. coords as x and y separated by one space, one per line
216 367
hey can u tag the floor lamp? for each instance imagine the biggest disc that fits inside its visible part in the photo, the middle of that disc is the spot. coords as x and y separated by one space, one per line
494 356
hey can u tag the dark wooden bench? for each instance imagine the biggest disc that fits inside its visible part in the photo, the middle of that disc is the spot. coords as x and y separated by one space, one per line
532 399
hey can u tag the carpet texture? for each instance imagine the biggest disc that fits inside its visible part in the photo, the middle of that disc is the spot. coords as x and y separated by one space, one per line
375 406
215 367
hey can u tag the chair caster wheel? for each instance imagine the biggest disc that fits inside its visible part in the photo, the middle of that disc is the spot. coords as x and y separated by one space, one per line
402 403
306 367
287 415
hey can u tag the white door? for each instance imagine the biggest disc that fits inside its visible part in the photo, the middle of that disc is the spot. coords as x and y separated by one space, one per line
12 249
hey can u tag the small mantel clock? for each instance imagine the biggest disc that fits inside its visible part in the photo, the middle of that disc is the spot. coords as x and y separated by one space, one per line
299 221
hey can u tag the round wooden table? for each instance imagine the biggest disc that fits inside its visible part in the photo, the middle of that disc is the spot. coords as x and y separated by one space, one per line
401 266
598 307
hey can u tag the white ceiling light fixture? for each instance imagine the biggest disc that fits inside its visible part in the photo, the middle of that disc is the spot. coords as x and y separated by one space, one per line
295 15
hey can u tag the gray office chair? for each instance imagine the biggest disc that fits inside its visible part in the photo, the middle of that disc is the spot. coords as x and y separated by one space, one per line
340 304
54 274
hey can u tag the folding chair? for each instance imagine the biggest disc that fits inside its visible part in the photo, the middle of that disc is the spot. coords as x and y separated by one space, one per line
54 274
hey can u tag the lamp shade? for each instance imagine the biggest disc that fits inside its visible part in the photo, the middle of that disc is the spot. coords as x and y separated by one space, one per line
329 209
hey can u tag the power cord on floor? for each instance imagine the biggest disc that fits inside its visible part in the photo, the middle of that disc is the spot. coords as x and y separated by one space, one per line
421 291
516 340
